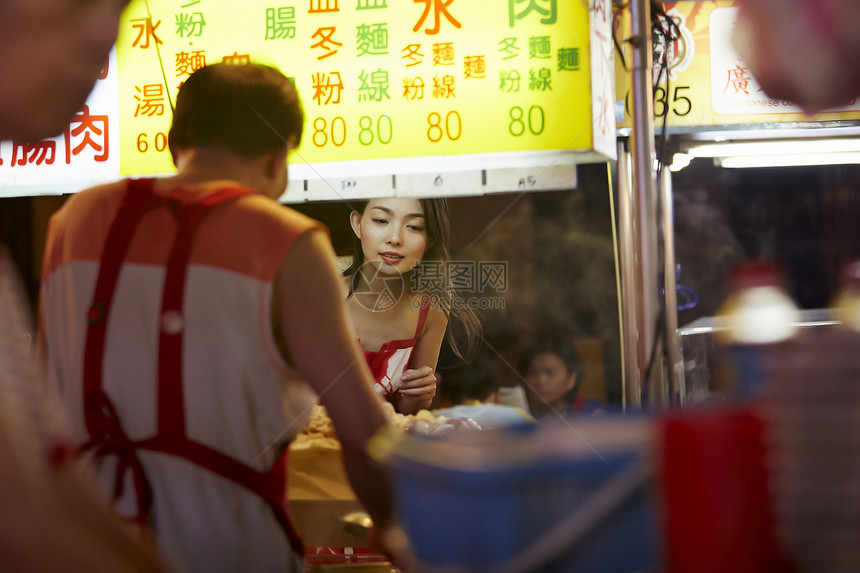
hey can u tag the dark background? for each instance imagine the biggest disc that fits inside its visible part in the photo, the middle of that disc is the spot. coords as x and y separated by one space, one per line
804 219
560 260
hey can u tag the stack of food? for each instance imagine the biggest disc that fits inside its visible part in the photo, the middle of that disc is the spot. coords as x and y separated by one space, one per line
315 467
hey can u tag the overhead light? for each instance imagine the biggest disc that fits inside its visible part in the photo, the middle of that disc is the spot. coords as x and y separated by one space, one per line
759 310
789 160
776 147
679 161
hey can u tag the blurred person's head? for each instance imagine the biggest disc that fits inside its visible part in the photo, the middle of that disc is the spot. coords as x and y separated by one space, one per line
51 53
552 371
250 111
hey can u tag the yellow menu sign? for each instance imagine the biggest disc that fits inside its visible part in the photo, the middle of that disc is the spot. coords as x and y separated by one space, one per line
385 80
707 83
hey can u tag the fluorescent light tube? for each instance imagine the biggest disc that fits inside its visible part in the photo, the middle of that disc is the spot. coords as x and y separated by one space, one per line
801 159
776 147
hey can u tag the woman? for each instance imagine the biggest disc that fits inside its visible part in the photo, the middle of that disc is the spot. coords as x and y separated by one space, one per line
399 296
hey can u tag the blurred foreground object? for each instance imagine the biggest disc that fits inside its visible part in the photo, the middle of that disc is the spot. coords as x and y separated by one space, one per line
714 485
804 51
813 407
50 518
847 301
813 410
549 498
759 310
758 315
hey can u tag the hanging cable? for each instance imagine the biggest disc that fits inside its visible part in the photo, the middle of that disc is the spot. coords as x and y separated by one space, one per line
160 62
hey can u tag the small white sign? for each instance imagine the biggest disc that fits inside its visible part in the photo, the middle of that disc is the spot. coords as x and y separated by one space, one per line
345 188
440 184
539 178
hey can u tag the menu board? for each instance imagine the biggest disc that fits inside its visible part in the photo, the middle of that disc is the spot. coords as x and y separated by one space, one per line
413 97
430 92
708 83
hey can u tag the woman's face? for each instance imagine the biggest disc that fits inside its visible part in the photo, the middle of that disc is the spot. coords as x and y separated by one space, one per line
392 232
548 380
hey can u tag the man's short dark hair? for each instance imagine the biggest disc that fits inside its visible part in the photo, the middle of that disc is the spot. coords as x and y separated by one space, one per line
474 380
248 109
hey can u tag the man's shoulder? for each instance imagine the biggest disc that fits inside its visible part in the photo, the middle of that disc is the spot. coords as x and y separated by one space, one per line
259 220
268 207
103 197
112 189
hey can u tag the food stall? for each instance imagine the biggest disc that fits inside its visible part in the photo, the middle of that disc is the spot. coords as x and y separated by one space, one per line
551 101
401 99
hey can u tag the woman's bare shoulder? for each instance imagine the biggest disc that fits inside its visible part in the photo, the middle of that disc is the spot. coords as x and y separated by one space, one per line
436 315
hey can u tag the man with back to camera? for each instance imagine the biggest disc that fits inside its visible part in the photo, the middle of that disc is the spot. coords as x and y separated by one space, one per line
178 315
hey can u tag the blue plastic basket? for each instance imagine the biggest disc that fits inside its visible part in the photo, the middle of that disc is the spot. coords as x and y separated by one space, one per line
481 502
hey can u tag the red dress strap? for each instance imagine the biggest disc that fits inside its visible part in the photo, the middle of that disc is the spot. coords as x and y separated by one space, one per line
107 435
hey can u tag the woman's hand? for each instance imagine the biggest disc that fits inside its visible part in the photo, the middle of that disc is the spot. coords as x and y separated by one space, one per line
416 391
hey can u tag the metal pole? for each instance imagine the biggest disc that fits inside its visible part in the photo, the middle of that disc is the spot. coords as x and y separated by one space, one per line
644 184
626 256
673 353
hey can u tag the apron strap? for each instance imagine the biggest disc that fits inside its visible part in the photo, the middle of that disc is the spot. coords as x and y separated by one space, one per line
171 411
137 201
107 436
270 485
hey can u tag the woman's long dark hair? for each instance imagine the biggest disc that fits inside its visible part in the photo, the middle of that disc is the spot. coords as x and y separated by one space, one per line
438 237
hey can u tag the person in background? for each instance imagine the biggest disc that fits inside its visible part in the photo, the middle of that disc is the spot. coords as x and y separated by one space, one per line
471 390
399 296
51 53
553 370
190 323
